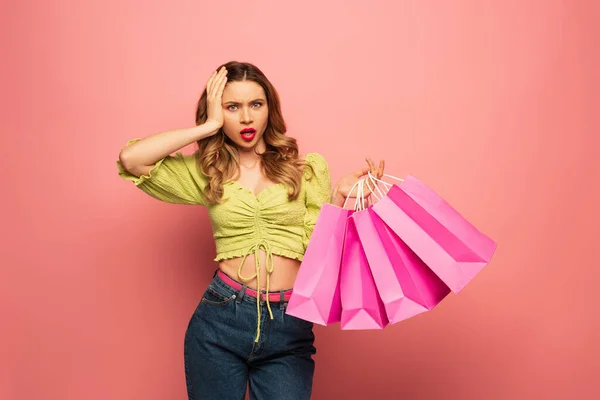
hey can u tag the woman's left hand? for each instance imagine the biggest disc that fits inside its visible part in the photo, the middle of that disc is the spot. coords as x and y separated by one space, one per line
343 187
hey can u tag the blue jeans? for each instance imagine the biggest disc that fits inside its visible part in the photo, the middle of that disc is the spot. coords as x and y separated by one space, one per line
222 358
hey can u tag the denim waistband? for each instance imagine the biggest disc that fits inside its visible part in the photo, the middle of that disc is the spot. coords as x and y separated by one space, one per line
241 293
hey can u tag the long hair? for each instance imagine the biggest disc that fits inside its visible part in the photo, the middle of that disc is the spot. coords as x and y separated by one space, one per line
218 155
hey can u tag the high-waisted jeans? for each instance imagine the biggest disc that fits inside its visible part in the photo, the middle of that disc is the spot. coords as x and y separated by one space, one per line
222 357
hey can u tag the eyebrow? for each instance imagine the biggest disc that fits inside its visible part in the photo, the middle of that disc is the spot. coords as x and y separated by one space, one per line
252 101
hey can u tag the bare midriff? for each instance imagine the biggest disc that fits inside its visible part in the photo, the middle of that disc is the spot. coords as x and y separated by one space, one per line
283 276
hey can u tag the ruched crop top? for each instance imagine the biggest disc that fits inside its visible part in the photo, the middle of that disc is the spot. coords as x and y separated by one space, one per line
243 223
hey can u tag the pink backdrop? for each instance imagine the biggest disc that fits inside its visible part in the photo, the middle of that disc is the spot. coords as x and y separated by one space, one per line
492 103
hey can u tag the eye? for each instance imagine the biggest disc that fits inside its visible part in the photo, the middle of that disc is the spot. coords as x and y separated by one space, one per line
256 105
232 107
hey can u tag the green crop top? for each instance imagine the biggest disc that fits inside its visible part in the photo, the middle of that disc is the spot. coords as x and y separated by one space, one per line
244 223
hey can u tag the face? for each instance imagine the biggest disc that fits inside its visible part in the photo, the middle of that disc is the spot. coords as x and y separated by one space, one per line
245 109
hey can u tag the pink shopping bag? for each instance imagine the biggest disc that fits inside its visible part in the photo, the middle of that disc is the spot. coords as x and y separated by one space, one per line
449 244
316 292
362 308
405 284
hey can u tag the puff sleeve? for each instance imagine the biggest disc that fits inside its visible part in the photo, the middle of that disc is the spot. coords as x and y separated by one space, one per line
174 179
318 192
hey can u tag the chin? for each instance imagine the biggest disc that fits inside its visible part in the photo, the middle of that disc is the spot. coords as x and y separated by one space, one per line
246 145
249 145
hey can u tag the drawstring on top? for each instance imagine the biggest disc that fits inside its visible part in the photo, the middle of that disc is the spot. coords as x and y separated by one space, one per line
263 244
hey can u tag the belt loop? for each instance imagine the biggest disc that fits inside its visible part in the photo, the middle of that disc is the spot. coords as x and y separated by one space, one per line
281 300
241 294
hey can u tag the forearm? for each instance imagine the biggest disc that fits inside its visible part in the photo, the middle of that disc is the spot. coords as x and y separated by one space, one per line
148 150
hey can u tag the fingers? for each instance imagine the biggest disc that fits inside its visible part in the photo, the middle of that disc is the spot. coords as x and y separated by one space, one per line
215 81
210 83
371 168
376 172
360 172
371 165
380 169
221 88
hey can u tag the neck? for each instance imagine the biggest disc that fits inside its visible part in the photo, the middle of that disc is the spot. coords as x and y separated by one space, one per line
249 162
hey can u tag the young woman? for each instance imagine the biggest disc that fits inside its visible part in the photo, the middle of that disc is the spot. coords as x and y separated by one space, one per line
263 200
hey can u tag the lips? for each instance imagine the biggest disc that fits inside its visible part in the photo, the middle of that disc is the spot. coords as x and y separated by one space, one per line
248 134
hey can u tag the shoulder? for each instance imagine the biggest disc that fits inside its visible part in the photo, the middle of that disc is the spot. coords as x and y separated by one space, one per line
316 160
189 160
319 165
191 163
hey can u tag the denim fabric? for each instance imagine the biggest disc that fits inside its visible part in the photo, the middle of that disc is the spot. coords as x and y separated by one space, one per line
222 358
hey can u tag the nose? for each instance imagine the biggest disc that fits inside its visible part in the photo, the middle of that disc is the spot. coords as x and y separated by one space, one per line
245 116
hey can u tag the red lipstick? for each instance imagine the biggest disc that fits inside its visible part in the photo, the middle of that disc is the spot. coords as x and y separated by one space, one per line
248 134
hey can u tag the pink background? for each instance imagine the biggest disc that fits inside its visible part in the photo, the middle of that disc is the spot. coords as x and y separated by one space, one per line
493 103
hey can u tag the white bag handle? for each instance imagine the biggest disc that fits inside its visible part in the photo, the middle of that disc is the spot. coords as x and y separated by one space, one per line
386 175
351 190
375 186
360 196
362 203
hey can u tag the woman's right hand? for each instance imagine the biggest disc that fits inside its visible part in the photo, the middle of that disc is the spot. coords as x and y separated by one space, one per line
214 96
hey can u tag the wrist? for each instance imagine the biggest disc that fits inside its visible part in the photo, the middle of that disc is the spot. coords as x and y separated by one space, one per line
207 129
337 198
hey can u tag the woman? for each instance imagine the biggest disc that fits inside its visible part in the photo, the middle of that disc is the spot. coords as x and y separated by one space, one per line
263 200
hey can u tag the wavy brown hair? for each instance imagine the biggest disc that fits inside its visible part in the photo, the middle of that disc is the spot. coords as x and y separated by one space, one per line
219 157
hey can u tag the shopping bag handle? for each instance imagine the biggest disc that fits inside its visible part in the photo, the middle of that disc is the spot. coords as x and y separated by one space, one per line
385 183
375 182
358 183
360 190
375 186
363 202
360 195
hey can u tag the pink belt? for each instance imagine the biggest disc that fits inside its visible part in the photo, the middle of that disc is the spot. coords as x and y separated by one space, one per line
273 297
